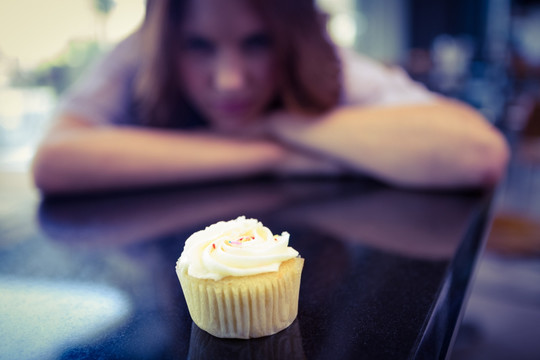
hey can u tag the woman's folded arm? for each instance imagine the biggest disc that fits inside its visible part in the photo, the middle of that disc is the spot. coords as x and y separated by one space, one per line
76 156
442 144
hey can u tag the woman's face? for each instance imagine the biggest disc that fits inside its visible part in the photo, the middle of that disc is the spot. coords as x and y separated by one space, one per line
226 62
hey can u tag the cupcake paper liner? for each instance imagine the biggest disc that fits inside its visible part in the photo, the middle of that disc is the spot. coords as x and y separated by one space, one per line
246 306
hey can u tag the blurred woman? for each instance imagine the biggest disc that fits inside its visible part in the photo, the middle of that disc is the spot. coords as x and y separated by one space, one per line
223 89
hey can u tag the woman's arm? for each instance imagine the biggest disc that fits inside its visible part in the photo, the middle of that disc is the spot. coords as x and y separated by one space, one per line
77 156
443 144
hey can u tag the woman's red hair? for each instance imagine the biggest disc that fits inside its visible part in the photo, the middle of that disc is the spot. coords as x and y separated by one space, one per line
307 63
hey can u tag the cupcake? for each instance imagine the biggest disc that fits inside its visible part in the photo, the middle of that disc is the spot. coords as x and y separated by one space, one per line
240 280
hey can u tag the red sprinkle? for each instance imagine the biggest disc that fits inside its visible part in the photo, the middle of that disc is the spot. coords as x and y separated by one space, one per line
214 246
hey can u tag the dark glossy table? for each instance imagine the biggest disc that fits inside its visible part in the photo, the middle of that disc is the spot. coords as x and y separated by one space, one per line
386 271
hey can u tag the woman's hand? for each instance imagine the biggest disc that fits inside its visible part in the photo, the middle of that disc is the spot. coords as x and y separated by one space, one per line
297 161
299 164
294 162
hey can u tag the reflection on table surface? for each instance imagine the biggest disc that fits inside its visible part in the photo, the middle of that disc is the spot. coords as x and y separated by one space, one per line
286 344
376 261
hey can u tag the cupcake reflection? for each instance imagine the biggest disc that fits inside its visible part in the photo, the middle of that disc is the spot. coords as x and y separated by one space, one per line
286 344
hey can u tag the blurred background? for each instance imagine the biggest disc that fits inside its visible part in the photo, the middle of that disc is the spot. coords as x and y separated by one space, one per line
484 52
44 47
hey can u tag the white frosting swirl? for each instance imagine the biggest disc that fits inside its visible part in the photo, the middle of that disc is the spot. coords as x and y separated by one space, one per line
237 247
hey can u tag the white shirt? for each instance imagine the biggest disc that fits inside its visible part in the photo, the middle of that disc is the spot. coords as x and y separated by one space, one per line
370 83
